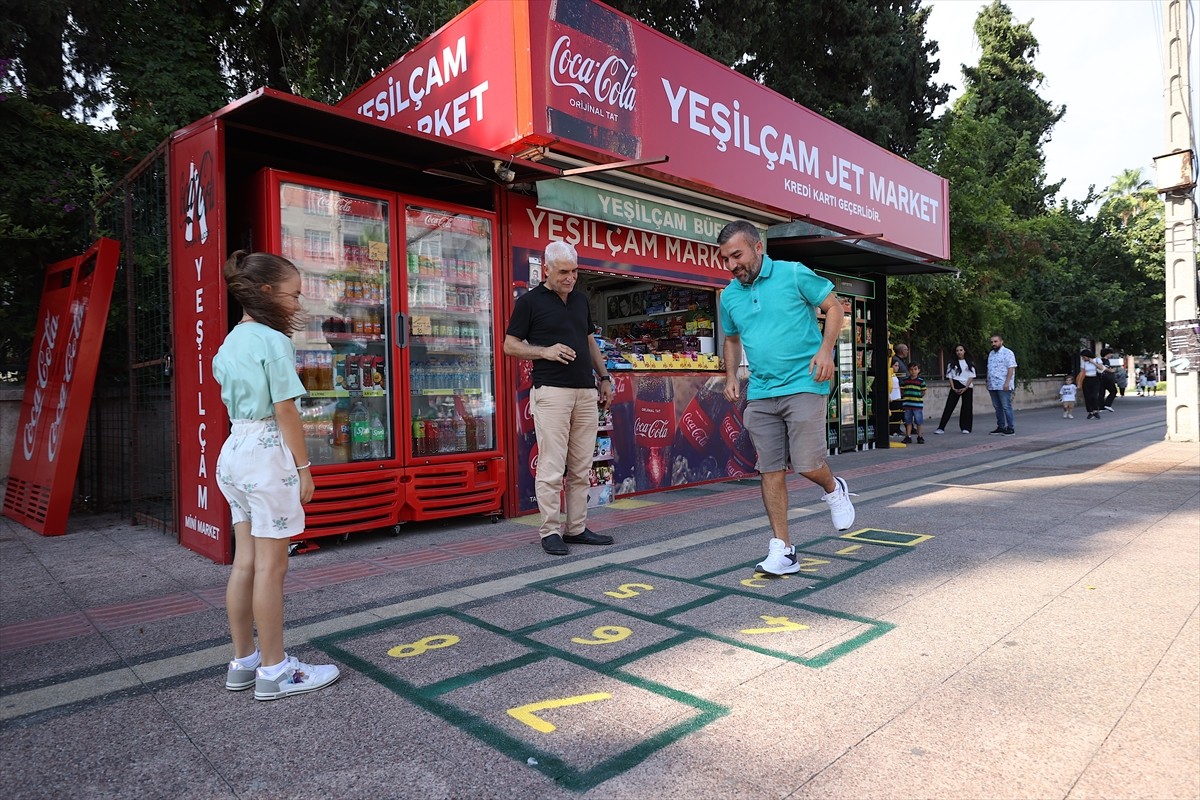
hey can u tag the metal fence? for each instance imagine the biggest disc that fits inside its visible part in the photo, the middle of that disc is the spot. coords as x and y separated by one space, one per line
128 458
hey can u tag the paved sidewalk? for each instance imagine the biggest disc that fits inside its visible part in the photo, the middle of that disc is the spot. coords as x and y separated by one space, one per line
1009 617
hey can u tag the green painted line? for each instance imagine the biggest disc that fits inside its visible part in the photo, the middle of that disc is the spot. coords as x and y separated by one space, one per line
550 765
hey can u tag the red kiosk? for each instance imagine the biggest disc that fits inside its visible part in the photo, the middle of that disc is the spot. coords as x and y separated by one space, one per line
420 207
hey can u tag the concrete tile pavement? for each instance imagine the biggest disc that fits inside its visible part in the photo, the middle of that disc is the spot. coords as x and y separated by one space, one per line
1043 644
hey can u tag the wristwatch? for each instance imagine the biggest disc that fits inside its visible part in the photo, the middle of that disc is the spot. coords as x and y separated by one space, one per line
606 377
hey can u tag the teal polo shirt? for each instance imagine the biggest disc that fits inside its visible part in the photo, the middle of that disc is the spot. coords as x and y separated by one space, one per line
776 319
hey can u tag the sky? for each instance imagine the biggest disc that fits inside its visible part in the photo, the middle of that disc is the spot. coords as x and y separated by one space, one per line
1103 59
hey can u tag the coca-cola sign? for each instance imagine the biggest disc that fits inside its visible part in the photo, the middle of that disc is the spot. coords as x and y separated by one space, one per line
607 81
653 423
62 370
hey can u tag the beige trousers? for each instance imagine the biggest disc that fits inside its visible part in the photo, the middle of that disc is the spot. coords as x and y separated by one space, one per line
565 422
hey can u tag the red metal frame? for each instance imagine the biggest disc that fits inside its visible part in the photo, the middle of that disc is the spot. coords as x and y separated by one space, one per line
62 373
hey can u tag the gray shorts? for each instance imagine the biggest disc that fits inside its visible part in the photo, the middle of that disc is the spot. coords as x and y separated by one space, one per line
790 425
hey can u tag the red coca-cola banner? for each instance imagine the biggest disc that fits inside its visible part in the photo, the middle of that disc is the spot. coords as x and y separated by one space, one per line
636 93
588 80
58 389
667 430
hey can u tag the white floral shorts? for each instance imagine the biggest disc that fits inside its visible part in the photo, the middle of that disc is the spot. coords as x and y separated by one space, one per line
258 476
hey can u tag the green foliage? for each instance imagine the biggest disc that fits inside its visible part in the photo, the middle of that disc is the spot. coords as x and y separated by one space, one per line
53 169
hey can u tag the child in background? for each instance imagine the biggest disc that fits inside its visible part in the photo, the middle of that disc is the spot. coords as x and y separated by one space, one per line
912 400
263 471
1066 394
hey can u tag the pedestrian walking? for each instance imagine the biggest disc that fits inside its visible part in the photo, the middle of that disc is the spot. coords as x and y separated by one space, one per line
551 325
1091 368
961 374
1001 383
766 303
1066 396
1108 379
263 471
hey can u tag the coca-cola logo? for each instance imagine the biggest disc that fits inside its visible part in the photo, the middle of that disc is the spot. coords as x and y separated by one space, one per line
657 429
77 312
331 203
45 358
654 423
695 427
437 221
608 81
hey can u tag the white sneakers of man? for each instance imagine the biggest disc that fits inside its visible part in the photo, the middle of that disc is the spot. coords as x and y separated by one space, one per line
840 507
780 560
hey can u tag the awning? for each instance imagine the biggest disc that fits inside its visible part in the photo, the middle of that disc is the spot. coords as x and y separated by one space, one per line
848 254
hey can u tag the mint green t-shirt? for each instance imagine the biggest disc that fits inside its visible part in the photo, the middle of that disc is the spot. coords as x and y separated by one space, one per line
256 367
776 318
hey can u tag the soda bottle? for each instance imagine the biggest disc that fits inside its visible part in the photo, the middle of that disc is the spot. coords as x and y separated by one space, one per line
624 462
341 433
460 435
698 422
360 432
378 437
654 431
580 29
418 436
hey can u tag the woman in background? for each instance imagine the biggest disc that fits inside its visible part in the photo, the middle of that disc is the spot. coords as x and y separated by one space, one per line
961 374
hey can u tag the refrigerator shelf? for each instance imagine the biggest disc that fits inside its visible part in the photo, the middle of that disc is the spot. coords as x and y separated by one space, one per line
445 392
444 309
347 393
349 337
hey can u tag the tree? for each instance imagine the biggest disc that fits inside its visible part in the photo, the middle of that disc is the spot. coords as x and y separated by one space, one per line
1004 235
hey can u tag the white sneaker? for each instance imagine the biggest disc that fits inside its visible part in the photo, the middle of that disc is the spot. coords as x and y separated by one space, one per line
966 431
296 678
1070 416
780 560
939 431
239 676
840 507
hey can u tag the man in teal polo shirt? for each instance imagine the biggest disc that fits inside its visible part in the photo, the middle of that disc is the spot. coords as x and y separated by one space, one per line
770 309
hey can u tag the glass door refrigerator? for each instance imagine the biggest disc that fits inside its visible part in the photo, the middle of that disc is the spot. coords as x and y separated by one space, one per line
352 355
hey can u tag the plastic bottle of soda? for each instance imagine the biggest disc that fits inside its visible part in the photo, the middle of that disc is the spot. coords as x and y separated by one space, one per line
341 433
378 437
360 432
419 444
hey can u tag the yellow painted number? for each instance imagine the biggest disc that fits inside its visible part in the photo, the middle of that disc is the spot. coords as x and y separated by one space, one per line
845 551
605 635
808 564
423 646
777 625
760 580
526 713
628 590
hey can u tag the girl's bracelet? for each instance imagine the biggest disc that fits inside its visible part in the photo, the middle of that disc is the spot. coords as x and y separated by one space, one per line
305 465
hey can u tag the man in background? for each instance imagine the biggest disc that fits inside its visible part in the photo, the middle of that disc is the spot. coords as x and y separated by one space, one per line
1001 383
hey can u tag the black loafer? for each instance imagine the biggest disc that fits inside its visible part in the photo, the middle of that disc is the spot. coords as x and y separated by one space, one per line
588 537
553 544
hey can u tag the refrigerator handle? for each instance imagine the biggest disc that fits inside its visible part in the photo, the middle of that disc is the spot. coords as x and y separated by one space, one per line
401 330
